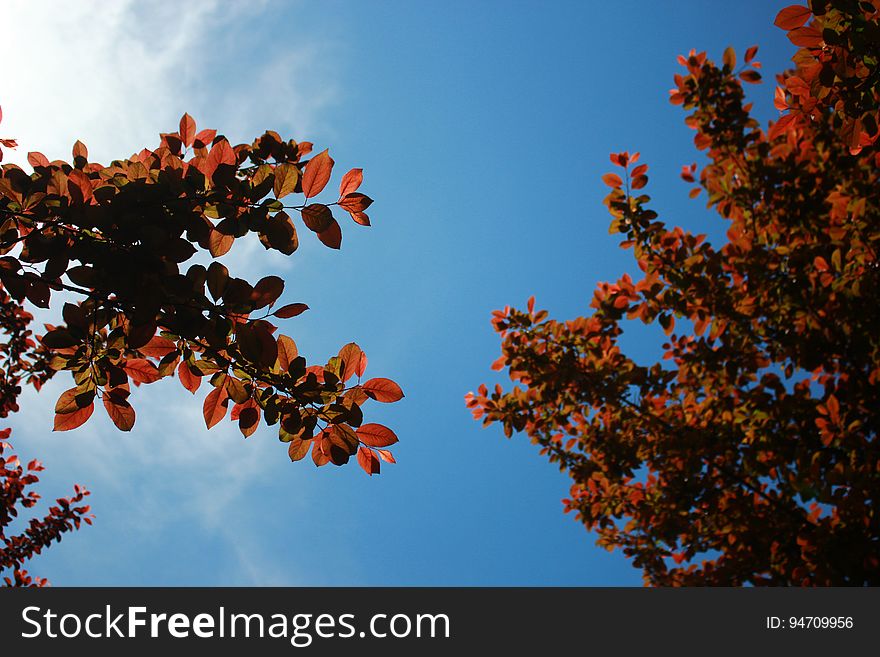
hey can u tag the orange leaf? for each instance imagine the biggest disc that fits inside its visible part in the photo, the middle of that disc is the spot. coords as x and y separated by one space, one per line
215 405
158 347
361 218
249 420
141 370
386 456
317 174
612 180
189 380
221 153
79 184
752 77
219 244
729 58
350 182
750 53
383 390
36 159
80 150
120 411
368 461
806 37
350 355
204 137
780 126
298 448
355 202
792 17
376 435
187 130
287 352
68 421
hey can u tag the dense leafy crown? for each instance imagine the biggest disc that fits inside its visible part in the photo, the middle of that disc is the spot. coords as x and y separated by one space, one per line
118 236
749 454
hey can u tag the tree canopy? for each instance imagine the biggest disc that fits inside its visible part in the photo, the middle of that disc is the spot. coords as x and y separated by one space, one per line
109 246
749 452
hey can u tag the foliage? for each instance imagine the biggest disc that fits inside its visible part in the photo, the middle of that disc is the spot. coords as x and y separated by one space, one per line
118 237
67 514
749 454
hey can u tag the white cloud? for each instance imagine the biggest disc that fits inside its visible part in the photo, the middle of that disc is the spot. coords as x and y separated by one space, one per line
115 75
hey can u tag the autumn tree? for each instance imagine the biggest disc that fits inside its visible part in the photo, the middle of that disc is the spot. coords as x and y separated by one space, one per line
17 480
115 247
749 453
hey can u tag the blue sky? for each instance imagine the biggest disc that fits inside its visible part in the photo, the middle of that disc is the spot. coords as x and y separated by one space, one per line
483 130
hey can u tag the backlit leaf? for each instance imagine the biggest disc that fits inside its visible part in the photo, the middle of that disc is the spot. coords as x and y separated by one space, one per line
376 435
350 182
792 17
68 421
286 177
383 390
317 174
290 310
214 408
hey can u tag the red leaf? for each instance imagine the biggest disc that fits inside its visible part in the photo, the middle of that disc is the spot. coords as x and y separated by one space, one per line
221 153
36 159
287 352
350 354
376 435
79 184
158 347
386 456
806 37
72 400
80 150
612 180
189 380
204 137
780 126
383 390
290 310
792 17
361 218
120 411
332 236
141 370
298 448
187 130
317 174
750 53
249 420
368 461
68 421
361 365
350 182
266 291
317 217
215 405
219 244
752 77
355 202
319 455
